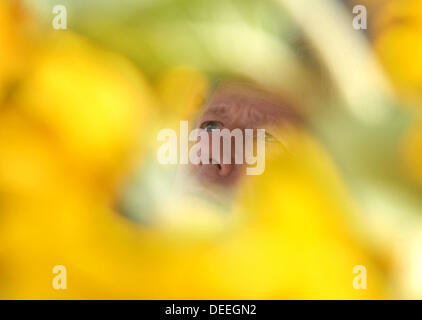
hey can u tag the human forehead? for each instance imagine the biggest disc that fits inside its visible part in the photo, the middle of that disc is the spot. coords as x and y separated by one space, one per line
241 94
246 103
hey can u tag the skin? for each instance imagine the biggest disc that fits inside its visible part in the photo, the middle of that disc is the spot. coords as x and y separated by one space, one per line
239 105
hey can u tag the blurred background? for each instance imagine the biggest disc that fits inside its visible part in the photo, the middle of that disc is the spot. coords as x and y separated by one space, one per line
80 186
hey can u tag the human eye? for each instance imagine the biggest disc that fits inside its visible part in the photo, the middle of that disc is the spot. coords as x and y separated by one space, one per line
211 125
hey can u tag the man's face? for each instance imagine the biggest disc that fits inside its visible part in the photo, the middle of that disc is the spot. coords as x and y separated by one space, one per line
236 105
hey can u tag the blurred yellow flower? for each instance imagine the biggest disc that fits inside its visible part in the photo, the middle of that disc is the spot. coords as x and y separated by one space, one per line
93 101
182 91
397 32
13 48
